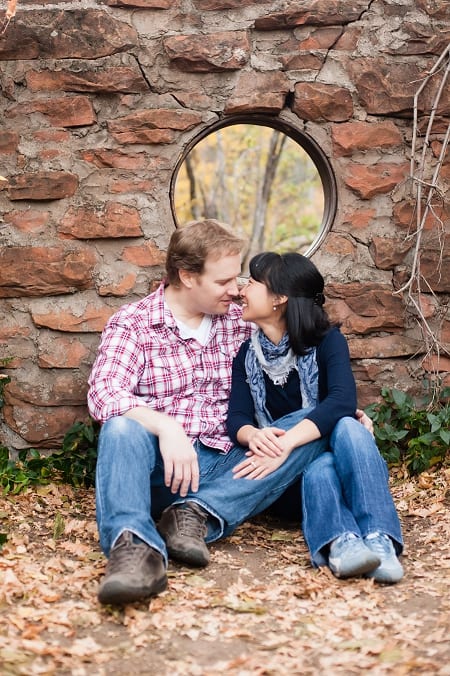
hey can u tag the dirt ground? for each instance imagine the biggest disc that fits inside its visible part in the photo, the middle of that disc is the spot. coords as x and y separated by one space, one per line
259 608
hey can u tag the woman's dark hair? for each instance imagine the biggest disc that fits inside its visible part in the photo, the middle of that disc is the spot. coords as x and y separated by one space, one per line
296 277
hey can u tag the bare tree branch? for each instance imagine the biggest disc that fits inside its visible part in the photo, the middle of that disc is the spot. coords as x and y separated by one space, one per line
10 14
426 192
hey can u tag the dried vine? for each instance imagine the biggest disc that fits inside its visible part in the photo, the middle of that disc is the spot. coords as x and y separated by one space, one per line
10 14
426 194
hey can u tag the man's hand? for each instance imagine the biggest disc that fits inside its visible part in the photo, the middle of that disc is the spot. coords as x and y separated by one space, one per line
181 470
364 419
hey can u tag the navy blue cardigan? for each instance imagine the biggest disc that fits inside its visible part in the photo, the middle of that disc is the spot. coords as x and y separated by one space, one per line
337 389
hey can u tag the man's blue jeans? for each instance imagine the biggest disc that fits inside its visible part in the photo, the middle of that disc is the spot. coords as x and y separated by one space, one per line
347 490
130 491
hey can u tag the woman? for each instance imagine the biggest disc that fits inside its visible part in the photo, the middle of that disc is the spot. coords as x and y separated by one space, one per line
297 359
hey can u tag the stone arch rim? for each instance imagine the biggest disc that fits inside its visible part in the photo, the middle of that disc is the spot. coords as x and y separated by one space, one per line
302 138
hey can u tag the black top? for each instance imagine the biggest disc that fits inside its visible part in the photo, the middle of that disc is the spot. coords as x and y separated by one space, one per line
337 389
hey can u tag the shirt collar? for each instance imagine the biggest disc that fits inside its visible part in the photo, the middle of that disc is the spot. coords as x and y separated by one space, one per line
162 314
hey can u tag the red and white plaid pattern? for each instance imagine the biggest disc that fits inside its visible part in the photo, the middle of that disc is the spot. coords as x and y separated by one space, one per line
143 361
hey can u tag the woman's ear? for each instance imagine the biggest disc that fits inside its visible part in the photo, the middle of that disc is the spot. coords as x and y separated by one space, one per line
279 299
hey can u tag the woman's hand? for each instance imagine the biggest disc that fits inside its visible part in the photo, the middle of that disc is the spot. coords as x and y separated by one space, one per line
257 466
265 442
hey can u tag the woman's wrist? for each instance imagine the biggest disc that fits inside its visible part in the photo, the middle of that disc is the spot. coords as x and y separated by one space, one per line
245 434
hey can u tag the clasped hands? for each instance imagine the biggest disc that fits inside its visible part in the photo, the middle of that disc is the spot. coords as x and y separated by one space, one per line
266 451
265 454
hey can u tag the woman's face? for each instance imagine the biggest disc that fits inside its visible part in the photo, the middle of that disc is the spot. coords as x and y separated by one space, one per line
257 302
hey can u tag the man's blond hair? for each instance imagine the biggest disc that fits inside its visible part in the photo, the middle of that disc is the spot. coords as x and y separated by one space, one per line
191 244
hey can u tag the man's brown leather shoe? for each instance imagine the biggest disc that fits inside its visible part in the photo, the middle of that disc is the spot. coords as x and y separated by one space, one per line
183 527
134 571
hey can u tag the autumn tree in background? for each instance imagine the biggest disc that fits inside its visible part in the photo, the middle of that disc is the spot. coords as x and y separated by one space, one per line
256 179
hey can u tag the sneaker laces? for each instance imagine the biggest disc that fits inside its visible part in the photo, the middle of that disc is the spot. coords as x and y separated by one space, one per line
124 554
343 539
346 537
191 520
380 544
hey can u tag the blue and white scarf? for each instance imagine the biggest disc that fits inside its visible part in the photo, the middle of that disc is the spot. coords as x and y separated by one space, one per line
277 361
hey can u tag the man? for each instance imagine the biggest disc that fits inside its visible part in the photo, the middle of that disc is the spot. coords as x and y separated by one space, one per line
160 386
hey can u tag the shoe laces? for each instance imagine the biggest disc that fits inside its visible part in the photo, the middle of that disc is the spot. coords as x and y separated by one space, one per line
124 554
346 539
380 544
191 520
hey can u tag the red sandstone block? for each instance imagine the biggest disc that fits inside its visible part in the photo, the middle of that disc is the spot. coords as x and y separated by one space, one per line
121 287
114 159
65 33
68 111
388 252
29 220
104 222
377 179
144 256
318 101
142 4
209 53
259 92
40 271
42 185
61 352
91 319
315 12
113 79
156 125
351 137
41 426
9 140
384 347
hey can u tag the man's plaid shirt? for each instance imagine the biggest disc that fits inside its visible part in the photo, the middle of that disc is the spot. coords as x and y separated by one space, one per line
143 361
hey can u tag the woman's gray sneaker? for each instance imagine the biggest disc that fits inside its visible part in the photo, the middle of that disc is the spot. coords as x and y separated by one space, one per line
390 569
349 556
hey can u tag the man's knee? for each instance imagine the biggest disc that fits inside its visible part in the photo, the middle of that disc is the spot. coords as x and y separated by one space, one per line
121 427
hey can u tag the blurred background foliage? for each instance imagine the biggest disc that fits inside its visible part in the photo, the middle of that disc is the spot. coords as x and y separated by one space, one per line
259 181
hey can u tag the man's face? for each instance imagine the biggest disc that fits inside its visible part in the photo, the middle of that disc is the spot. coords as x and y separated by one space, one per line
215 288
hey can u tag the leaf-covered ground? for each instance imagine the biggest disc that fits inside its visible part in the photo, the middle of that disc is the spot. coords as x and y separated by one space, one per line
258 609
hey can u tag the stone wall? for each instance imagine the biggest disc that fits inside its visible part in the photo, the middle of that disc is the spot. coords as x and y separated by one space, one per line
98 101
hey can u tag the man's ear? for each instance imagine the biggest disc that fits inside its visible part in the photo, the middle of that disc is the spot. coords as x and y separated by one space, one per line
186 278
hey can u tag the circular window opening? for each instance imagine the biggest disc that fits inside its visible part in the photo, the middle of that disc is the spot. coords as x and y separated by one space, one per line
271 183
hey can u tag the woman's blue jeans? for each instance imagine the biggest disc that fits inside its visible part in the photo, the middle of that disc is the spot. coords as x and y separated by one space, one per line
130 491
347 490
